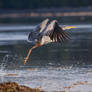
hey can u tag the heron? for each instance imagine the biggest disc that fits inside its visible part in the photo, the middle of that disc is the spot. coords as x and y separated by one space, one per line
47 32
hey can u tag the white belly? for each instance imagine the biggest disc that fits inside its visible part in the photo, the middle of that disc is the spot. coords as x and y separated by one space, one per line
45 40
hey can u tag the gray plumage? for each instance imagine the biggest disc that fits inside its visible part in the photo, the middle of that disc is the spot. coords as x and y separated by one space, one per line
47 32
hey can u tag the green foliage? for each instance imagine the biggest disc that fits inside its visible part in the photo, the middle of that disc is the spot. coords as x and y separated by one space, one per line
32 4
9 90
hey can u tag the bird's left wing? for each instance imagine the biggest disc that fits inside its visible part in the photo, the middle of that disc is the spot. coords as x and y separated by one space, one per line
55 32
40 27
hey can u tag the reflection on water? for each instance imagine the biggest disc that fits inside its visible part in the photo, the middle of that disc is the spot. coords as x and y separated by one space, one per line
53 57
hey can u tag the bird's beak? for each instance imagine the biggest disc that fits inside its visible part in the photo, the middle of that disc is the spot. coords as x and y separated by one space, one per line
69 27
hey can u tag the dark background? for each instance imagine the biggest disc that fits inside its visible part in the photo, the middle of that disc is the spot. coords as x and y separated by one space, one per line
34 4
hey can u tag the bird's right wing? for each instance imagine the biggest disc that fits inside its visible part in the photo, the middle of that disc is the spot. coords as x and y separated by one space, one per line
55 32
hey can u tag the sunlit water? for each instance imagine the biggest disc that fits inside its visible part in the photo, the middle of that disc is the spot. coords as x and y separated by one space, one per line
54 67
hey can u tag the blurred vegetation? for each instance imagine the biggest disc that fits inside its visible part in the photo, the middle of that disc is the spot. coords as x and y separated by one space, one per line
33 4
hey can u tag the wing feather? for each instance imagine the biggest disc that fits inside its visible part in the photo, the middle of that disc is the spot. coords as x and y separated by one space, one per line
55 32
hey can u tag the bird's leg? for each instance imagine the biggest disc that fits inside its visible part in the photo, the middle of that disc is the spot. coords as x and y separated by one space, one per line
29 52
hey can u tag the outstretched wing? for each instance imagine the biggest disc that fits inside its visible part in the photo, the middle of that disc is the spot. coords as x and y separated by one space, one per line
55 32
40 27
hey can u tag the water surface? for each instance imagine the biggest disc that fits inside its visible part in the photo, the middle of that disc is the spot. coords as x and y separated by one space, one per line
53 67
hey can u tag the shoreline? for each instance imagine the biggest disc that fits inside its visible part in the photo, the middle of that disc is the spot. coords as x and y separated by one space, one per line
57 14
52 12
15 87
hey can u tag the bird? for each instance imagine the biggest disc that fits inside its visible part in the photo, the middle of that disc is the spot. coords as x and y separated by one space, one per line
46 32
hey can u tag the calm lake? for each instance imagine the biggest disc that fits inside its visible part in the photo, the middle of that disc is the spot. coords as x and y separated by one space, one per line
53 67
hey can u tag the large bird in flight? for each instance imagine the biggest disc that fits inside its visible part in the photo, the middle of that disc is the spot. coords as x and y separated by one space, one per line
45 33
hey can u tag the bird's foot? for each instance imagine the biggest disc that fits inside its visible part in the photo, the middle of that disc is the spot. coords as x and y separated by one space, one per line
25 60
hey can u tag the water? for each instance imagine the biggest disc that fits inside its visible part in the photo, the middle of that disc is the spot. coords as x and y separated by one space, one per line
54 67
